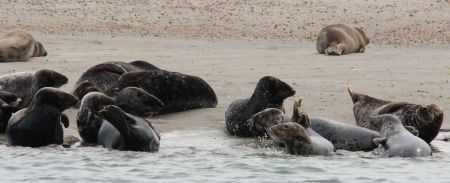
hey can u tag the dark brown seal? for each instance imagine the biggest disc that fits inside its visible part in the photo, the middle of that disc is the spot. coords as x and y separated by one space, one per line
270 92
20 46
427 119
102 76
339 39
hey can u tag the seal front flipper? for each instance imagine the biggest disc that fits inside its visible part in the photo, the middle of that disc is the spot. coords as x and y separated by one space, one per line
413 130
392 107
379 141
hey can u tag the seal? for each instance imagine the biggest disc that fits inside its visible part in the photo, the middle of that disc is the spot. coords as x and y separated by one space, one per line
123 131
9 98
132 100
6 112
270 92
299 140
20 46
178 92
395 140
26 84
427 119
339 39
40 123
101 77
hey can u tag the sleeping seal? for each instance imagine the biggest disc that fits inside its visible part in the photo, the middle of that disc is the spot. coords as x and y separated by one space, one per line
270 92
132 100
300 140
339 39
26 84
101 77
427 119
395 140
20 46
123 131
178 92
40 123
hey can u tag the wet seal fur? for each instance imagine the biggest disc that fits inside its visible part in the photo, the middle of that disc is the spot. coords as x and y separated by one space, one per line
123 131
26 84
178 92
300 139
20 46
427 119
270 92
395 140
101 77
339 39
40 123
132 100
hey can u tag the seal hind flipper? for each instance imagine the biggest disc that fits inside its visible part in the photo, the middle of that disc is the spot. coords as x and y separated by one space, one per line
304 120
144 65
378 141
64 120
355 96
296 113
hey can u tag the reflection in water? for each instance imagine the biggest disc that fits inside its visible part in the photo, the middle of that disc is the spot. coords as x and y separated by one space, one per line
212 155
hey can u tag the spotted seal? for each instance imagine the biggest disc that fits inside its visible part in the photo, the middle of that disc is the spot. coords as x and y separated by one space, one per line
20 46
270 92
427 119
26 84
40 123
123 131
395 140
339 39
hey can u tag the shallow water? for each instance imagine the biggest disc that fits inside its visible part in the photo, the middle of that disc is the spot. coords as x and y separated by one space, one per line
213 156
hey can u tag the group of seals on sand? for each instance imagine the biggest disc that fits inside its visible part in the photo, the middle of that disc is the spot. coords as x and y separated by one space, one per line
396 129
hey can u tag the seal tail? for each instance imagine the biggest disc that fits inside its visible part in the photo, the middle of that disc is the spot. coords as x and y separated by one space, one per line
355 96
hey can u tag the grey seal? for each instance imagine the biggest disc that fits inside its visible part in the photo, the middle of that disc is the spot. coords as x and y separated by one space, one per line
340 39
20 46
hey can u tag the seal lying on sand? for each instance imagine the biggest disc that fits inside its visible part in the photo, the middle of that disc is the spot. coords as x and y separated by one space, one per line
395 140
20 46
26 84
132 100
339 39
301 140
101 77
123 131
40 123
178 92
427 119
270 92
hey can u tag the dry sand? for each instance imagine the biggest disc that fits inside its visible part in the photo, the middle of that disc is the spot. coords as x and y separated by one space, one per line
232 68
406 22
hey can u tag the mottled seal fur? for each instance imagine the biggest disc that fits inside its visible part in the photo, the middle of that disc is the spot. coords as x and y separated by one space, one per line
26 84
427 119
132 100
270 92
395 140
101 77
123 131
20 46
178 92
339 39
40 123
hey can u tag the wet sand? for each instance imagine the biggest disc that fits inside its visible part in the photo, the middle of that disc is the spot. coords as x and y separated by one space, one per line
233 67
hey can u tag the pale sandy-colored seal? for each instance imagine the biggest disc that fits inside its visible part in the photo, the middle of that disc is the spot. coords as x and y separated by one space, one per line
339 39
270 92
40 123
395 140
427 119
20 46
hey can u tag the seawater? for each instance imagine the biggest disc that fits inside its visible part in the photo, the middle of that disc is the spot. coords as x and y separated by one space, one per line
213 156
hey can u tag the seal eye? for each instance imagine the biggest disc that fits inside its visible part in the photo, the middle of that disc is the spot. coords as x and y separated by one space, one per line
286 126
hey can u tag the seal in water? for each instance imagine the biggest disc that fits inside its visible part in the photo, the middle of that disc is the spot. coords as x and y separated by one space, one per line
427 119
339 39
123 131
26 84
101 77
270 92
20 46
395 140
178 92
300 140
40 123
132 100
